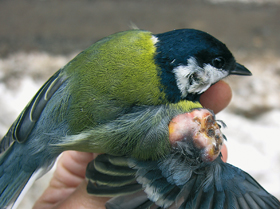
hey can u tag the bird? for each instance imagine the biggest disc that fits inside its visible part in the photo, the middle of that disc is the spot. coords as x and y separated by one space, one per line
191 175
116 97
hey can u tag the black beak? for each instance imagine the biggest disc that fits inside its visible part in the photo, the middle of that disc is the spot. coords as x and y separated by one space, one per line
240 70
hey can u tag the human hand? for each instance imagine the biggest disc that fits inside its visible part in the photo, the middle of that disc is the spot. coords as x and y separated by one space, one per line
67 188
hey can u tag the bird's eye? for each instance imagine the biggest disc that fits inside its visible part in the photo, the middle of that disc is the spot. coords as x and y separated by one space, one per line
218 62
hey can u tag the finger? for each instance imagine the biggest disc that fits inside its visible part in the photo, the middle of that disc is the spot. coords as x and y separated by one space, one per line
224 153
70 172
217 97
71 169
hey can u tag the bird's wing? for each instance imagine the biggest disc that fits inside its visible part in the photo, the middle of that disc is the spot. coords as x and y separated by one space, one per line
24 124
171 183
226 186
110 176
158 187
137 200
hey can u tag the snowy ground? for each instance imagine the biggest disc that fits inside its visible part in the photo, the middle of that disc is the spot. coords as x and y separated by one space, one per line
252 117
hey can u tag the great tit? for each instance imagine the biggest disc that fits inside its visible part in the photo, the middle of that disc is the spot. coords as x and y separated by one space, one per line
116 97
191 175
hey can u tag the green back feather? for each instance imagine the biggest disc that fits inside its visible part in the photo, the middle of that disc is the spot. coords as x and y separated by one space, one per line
111 76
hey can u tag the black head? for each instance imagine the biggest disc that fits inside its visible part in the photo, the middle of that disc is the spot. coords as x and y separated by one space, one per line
191 61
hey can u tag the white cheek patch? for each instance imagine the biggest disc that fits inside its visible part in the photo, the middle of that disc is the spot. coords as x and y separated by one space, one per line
182 74
193 79
214 73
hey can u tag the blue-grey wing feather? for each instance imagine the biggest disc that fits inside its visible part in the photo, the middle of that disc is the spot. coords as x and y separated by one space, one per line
214 185
26 121
110 176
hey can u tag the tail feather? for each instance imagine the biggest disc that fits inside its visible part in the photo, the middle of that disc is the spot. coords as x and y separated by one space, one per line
11 184
15 177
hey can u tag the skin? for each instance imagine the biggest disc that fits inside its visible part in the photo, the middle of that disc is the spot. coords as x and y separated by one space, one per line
67 188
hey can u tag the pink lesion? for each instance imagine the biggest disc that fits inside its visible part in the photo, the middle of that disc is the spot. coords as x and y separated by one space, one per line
201 127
